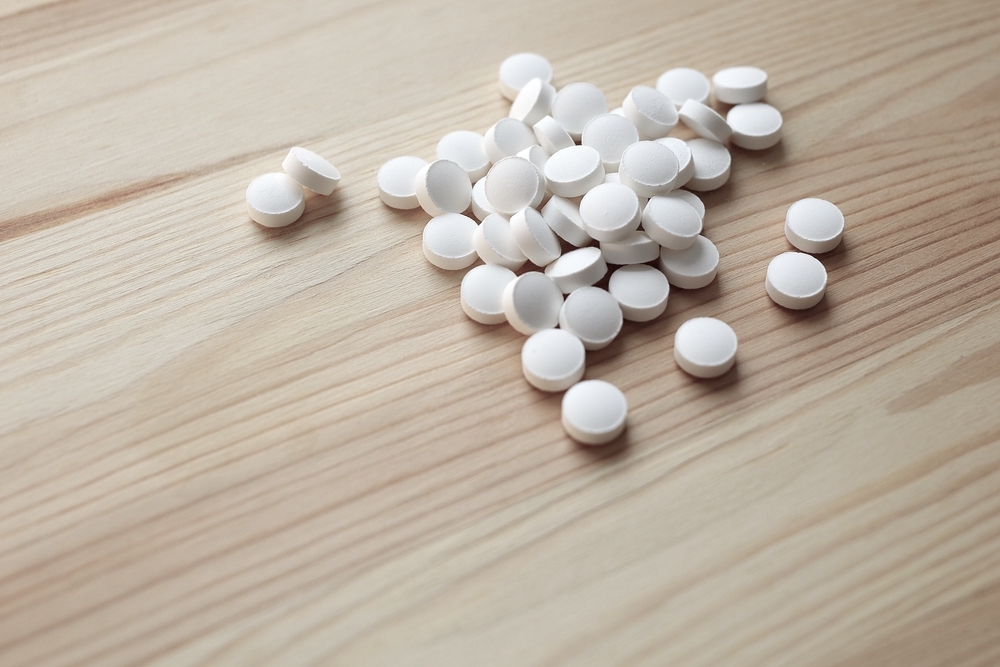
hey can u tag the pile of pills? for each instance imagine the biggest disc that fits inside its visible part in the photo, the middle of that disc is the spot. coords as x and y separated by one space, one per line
279 199
590 200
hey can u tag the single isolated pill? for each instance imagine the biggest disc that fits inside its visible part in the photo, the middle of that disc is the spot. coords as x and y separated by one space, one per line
648 168
513 184
712 165
705 121
705 347
691 268
692 199
573 171
685 165
652 112
443 187
610 134
533 102
551 136
553 360
519 69
466 149
448 241
610 212
795 280
593 315
563 216
671 222
532 302
507 137
641 291
397 181
495 243
594 412
636 248
275 200
682 84
577 268
482 293
534 237
576 105
311 171
814 225
740 85
480 204
755 126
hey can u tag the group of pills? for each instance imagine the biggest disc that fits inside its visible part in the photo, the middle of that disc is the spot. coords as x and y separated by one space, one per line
278 199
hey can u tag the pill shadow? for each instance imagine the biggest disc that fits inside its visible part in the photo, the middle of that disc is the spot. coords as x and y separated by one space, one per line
768 157
616 450
319 208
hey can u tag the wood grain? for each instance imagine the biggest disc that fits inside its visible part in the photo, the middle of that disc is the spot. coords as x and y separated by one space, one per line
221 444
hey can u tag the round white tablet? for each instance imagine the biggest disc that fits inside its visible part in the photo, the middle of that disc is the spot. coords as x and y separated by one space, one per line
553 360
705 347
576 104
537 156
534 237
533 102
740 85
275 200
577 268
519 69
482 293
513 184
755 126
693 267
594 412
481 206
532 302
448 241
795 280
551 136
671 222
712 164
507 137
563 216
705 121
648 168
692 199
682 84
685 165
397 181
593 315
636 248
443 187
466 149
573 171
610 212
641 292
814 225
495 243
613 177
652 112
610 134
311 171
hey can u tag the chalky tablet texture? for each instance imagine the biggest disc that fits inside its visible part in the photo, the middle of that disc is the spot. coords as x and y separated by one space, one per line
641 292
576 105
443 187
705 347
652 112
740 85
311 170
532 302
705 121
594 412
755 126
507 137
482 293
448 241
533 102
712 164
671 222
795 280
397 181
481 206
553 360
519 69
610 134
573 171
563 216
649 168
682 84
466 149
685 165
593 315
691 268
814 225
513 184
577 268
534 237
610 212
495 243
690 198
551 135
275 200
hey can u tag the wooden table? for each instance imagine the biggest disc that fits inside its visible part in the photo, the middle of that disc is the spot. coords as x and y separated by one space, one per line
226 445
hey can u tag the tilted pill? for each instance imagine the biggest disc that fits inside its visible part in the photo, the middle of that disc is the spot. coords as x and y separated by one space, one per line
705 121
671 222
636 248
514 184
576 269
533 102
649 168
534 237
507 137
311 171
532 302
495 243
712 165
652 112
563 216
443 187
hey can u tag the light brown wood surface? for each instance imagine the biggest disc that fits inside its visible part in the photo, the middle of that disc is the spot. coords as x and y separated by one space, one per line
226 445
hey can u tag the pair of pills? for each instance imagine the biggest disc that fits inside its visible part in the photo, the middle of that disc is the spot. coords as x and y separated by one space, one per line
278 199
797 280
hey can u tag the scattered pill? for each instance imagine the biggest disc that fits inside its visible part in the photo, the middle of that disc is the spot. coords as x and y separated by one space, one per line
712 164
705 121
610 212
534 237
648 168
573 171
685 165
519 69
576 105
705 347
443 187
691 268
448 243
641 292
397 181
682 84
513 184
551 136
755 126
636 248
740 85
481 206
507 137
495 243
577 268
482 293
692 199
311 171
553 360
814 225
563 216
593 315
466 149
275 200
671 222
532 302
610 134
652 112
795 280
533 102
594 412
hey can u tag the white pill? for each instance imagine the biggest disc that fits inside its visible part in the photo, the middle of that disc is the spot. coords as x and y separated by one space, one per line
577 268
275 200
513 184
671 222
613 177
641 292
507 137
533 102
481 206
593 315
685 165
594 412
532 302
618 111
519 69
610 134
682 84
553 360
551 136
610 212
448 241
563 217
692 199
311 171
705 347
495 243
537 156
814 225
397 181
648 168
576 105
466 149
652 112
693 267
712 164
755 126
482 293
636 248
443 187
795 280
705 121
740 85
573 171
534 237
